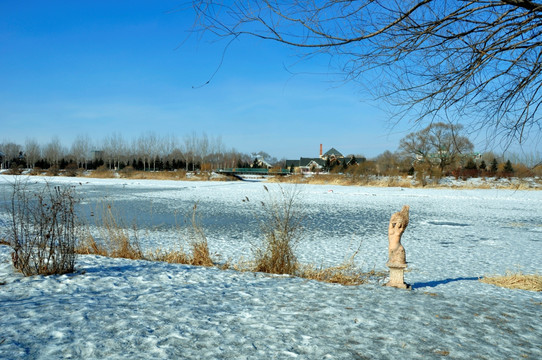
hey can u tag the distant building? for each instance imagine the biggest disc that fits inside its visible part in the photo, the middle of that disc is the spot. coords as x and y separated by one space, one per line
261 163
329 158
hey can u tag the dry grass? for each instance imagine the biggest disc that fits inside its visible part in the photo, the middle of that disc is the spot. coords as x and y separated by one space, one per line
344 274
116 242
154 175
170 256
115 238
341 180
515 281
281 227
347 273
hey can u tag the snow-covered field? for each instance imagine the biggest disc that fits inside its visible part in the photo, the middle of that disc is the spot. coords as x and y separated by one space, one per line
115 308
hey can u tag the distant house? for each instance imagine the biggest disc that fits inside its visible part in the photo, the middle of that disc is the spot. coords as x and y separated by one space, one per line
261 163
306 165
331 154
329 158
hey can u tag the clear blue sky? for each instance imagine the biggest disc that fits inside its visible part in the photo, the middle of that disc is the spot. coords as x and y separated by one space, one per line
97 67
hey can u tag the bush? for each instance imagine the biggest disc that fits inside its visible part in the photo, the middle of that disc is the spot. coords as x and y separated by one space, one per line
43 229
281 229
15 169
72 169
53 171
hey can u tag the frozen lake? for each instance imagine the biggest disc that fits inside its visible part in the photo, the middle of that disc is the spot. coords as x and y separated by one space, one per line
124 309
478 226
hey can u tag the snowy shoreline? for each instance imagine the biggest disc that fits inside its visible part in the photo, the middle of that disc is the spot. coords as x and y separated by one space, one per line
123 309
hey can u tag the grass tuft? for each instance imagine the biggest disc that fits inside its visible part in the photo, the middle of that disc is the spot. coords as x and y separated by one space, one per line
115 238
281 229
516 281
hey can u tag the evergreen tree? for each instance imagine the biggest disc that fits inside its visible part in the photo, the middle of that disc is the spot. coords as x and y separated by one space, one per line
255 164
327 166
508 167
494 166
471 165
483 165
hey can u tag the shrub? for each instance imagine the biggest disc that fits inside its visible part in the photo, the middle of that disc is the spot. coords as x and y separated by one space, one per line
72 169
281 229
198 242
15 169
43 229
53 171
127 171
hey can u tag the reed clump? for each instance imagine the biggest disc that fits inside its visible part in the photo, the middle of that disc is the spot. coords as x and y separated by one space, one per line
115 240
346 273
517 280
199 254
281 227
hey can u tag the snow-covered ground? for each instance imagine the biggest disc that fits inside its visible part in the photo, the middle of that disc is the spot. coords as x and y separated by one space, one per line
116 308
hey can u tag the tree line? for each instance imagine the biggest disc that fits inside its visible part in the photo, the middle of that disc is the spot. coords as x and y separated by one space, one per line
440 149
146 152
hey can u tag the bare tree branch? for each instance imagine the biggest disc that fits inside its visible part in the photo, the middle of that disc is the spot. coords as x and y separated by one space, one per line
476 60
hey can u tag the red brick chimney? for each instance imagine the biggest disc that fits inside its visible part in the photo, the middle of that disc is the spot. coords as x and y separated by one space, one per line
320 150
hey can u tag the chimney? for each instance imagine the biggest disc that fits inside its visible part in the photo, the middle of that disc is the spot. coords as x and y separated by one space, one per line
320 150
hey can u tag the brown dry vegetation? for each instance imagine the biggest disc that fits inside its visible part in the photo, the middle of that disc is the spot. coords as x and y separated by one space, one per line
515 281
399 181
341 180
116 242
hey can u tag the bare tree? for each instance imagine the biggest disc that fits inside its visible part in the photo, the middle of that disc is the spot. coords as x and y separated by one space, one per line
80 150
189 149
53 151
11 152
143 147
32 152
167 146
475 60
114 149
438 143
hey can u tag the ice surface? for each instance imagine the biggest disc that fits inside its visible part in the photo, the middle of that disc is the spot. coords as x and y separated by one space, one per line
123 309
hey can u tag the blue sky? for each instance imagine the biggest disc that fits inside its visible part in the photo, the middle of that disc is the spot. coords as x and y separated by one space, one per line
69 68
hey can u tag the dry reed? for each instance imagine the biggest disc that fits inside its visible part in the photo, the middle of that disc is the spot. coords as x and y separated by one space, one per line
281 229
515 281
115 238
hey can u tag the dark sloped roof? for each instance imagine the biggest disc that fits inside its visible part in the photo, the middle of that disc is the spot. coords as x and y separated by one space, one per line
333 151
289 163
307 161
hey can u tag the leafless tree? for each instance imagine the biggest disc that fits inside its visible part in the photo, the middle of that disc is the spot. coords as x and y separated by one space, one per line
32 152
473 60
11 151
438 143
189 149
167 145
53 151
115 150
80 150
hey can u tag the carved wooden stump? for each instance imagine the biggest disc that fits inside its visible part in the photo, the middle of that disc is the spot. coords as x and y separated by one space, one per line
397 276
